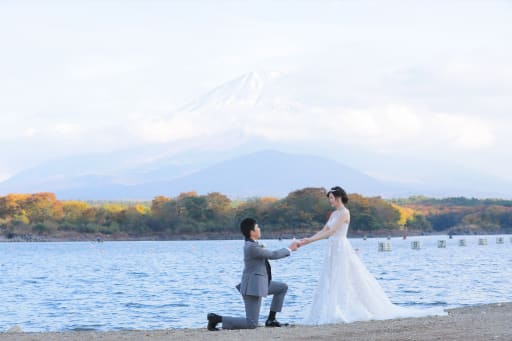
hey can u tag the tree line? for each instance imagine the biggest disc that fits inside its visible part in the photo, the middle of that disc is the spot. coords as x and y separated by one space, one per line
463 215
301 211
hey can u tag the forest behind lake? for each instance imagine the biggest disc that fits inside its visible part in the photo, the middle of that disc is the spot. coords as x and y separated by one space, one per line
41 216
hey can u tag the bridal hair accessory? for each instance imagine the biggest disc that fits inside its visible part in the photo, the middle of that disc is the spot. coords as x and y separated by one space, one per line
335 190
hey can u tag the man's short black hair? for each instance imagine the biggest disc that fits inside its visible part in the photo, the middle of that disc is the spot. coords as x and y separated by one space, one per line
246 226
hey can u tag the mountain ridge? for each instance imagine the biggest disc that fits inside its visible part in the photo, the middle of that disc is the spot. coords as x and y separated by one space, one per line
262 173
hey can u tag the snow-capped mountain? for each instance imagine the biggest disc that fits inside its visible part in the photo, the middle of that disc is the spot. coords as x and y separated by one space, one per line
244 104
247 92
206 144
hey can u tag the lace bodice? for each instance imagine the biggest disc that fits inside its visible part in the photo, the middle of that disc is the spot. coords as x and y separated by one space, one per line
333 220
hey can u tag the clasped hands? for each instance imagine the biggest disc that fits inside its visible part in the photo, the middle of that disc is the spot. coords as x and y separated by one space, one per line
298 243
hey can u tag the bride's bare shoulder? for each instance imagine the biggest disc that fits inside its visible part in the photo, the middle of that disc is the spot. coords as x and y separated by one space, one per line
345 214
340 213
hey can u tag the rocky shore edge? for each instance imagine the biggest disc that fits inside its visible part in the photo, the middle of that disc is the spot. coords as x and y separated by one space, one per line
480 322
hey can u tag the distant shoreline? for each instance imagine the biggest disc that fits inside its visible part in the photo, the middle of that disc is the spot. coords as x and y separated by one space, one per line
481 322
98 237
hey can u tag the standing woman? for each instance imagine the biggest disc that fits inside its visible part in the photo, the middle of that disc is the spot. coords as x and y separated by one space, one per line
347 291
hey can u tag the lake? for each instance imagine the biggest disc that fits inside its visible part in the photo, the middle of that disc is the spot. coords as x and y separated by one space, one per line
174 284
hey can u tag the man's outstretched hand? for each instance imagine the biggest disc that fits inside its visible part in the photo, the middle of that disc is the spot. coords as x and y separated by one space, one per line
294 245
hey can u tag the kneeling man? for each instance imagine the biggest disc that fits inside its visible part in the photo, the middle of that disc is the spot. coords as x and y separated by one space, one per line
256 282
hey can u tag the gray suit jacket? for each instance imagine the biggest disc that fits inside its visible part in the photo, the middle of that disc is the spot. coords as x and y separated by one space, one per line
255 277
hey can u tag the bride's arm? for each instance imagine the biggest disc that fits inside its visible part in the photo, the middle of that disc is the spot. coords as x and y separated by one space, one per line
325 232
317 234
315 237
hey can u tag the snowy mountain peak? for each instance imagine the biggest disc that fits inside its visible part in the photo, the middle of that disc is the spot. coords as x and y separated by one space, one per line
242 92
259 77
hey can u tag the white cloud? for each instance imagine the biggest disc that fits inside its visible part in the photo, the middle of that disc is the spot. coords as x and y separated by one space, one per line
388 129
48 129
29 132
401 127
357 123
100 68
163 131
4 176
66 129
462 132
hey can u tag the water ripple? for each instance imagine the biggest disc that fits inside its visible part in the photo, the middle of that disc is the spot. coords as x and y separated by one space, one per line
157 285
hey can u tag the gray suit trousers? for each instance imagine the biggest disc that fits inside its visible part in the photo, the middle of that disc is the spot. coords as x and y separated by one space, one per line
253 306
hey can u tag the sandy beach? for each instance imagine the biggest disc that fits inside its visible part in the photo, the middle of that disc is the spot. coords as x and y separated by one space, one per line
483 322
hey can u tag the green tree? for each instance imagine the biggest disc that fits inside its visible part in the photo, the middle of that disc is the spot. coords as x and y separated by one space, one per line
418 222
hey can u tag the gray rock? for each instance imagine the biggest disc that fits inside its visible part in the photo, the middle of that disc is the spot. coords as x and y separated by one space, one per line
15 329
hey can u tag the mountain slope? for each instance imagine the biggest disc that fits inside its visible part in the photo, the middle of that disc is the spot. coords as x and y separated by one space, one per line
264 173
267 173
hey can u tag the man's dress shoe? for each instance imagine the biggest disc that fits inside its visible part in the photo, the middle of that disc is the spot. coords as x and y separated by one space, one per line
275 323
213 319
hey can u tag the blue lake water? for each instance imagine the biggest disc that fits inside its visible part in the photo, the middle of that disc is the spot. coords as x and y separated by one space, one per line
174 284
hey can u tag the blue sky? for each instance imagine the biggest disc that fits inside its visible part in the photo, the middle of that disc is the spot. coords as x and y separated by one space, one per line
407 84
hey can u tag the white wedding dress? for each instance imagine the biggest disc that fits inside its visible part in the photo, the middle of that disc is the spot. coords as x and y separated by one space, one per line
348 292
